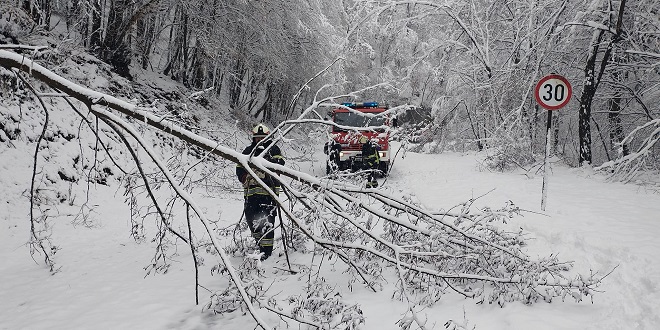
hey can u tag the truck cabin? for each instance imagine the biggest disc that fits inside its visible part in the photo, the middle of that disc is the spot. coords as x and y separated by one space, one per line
345 151
344 117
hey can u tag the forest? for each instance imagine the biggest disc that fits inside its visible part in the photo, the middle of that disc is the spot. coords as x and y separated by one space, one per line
460 74
468 66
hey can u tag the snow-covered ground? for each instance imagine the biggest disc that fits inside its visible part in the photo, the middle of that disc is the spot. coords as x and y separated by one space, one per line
598 225
101 284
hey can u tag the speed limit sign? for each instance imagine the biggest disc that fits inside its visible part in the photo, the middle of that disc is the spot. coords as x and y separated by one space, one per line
553 92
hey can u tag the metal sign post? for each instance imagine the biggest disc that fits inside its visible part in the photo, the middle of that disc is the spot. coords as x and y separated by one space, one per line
546 161
552 92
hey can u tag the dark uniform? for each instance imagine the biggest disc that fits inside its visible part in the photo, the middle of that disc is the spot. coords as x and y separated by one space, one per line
260 208
370 160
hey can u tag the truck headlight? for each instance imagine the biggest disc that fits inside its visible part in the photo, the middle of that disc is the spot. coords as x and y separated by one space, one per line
341 154
381 154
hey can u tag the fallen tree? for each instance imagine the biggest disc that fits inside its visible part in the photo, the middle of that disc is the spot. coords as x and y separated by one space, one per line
427 253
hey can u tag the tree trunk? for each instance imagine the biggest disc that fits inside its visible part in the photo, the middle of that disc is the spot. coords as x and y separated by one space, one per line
173 46
616 128
145 34
344 231
614 114
45 13
122 17
95 33
30 7
115 49
591 85
39 10
185 48
588 92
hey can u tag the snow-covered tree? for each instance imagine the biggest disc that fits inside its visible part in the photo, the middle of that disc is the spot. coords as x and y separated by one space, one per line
377 235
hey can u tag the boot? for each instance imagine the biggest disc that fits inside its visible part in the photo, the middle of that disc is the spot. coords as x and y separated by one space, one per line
372 184
266 252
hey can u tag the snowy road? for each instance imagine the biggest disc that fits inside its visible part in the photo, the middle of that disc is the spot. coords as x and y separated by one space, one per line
598 225
102 283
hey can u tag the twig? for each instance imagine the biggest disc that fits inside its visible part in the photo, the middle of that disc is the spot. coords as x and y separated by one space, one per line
194 254
284 242
185 196
147 186
38 240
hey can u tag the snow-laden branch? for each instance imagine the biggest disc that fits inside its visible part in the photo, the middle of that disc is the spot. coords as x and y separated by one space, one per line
591 24
482 50
462 251
91 98
628 167
636 52
190 201
23 47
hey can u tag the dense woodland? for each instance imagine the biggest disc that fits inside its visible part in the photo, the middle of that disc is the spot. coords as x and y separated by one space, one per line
468 67
473 64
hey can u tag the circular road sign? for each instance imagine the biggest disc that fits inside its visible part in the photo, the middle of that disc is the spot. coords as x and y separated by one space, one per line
553 92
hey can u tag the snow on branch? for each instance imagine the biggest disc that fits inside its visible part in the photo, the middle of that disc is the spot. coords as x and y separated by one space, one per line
636 52
466 251
628 167
23 47
591 24
90 98
477 42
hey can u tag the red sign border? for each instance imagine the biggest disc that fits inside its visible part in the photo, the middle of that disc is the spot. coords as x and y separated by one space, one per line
546 78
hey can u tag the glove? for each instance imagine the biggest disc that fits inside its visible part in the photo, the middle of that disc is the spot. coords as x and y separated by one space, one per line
259 150
247 182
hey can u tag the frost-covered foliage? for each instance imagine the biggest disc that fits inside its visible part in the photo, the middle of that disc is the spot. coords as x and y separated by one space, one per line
320 304
643 160
510 155
15 24
380 237
464 250
323 304
76 149
441 54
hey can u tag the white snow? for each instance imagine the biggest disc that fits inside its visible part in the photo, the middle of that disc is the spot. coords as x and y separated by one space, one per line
101 284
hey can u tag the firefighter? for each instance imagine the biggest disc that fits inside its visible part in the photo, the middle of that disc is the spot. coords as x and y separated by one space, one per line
260 208
370 160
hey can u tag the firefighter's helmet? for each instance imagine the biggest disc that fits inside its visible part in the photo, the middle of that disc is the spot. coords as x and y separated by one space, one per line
260 130
363 139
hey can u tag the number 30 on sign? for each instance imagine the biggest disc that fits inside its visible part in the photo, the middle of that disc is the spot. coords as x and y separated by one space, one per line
553 92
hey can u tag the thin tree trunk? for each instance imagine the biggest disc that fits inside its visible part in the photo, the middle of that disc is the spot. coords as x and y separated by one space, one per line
588 92
174 46
94 33
45 13
184 48
616 128
39 10
614 114
115 50
591 85
145 33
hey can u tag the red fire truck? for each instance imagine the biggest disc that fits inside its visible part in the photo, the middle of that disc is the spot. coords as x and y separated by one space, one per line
345 151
